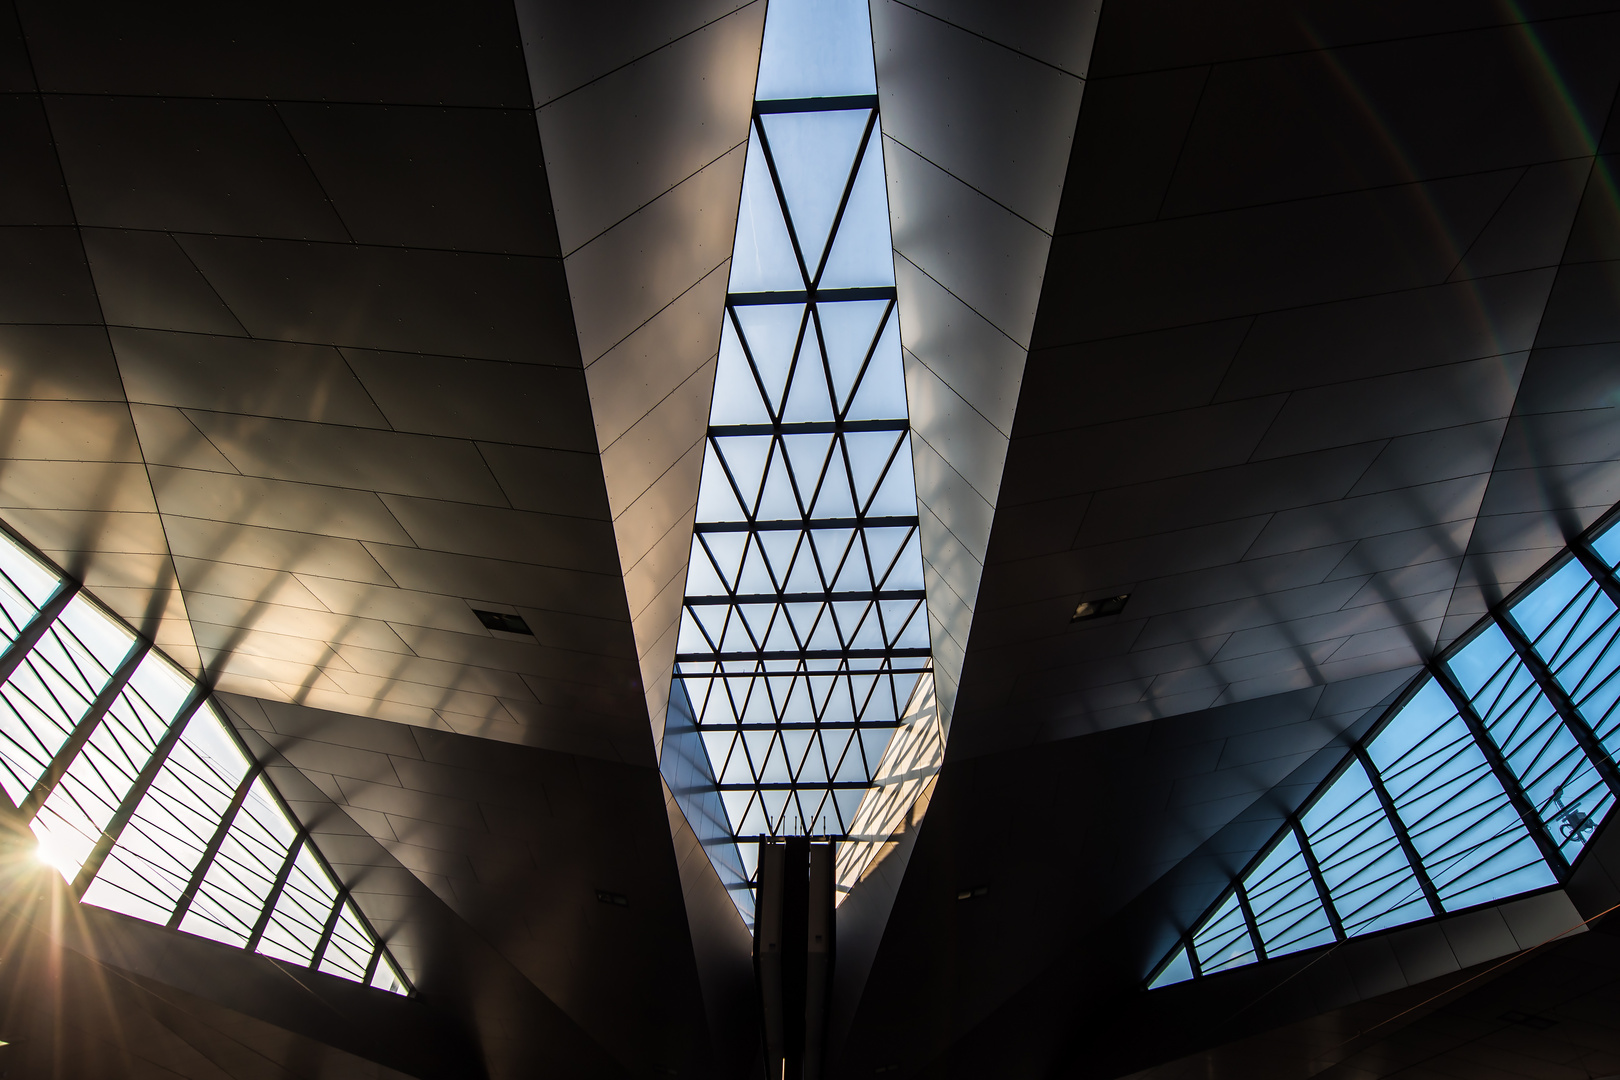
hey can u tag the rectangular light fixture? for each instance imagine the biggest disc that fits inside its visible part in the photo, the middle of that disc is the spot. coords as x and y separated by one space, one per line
503 621
1096 609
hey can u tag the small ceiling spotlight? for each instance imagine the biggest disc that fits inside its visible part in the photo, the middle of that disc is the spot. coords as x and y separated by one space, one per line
1096 609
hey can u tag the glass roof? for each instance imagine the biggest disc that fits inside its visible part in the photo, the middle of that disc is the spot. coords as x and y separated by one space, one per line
1486 780
144 799
804 629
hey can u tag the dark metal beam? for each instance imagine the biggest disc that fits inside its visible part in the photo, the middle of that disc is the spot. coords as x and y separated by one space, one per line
86 727
1419 871
29 636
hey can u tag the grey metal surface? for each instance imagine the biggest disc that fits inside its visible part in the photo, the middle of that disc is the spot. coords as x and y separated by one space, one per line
978 115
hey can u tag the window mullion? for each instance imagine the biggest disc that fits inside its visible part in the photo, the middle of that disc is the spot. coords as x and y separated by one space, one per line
1401 835
1600 572
1315 868
1585 737
137 791
274 896
1249 919
86 727
1545 844
25 641
211 852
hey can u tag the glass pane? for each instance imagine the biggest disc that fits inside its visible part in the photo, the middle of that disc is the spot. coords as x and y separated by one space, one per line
387 977
350 948
25 585
1472 842
1538 748
1223 940
306 901
97 780
1578 643
1179 969
1367 874
1608 546
816 48
47 694
1287 908
236 886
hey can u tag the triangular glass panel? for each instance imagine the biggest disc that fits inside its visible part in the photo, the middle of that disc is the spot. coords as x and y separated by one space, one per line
738 769
833 547
850 616
781 639
775 803
756 821
711 620
725 553
908 568
736 637
755 577
814 154
834 500
848 329
883 546
736 393
771 333
803 616
839 709
808 400
807 453
776 770
745 457
882 392
736 803
854 576
794 745
862 253
717 743
869 455
762 257
757 617
813 766
716 502
897 496
1177 970
701 578
778 501
821 815
779 546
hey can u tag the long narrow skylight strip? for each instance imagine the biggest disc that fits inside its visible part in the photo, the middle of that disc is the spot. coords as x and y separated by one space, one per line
1451 781
805 627
88 715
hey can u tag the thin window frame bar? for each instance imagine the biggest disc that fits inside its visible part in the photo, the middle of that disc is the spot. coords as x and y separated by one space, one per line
1402 837
28 637
1554 692
183 904
86 726
1322 891
1248 918
268 910
137 791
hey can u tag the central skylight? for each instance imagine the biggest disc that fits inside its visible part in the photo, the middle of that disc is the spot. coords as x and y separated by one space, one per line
805 629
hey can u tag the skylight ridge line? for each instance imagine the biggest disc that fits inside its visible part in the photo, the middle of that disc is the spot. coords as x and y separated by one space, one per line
713 600
830 103
805 523
808 427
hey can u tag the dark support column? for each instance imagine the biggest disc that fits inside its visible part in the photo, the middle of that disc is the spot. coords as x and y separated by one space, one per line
1510 783
1316 876
1401 835
793 954
329 928
86 727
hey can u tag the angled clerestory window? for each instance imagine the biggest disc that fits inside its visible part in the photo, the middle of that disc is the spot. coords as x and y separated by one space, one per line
1486 780
804 630
141 795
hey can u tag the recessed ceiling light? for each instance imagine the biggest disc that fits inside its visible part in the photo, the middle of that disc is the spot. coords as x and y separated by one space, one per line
1096 609
977 890
616 899
501 620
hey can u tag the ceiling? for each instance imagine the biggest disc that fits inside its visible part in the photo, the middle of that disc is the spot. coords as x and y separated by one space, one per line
1292 321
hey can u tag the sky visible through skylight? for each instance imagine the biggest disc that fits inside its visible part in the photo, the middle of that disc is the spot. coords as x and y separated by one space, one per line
1486 782
804 629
